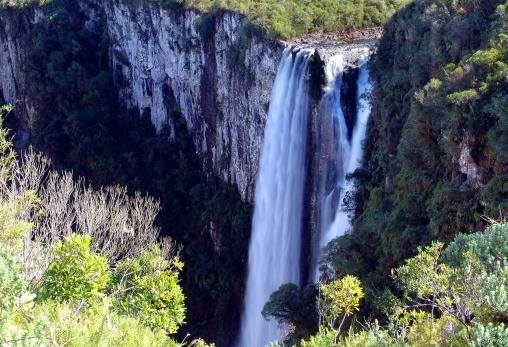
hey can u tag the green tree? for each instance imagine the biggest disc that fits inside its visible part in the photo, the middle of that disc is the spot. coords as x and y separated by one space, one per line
75 273
295 308
339 300
148 287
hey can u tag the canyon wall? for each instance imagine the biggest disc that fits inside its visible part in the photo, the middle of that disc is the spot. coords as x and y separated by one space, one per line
215 69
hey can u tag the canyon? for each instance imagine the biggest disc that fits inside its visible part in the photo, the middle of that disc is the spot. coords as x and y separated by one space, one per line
218 72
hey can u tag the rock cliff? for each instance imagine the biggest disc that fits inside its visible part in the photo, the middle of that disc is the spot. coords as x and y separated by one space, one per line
214 69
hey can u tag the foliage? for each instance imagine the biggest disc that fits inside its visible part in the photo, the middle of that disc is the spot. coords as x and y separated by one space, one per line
12 227
490 335
290 18
73 305
453 296
436 149
283 19
75 273
422 275
294 307
81 126
339 298
96 326
12 284
148 288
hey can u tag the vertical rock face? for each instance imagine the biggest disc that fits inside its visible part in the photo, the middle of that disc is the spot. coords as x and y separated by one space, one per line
209 67
12 51
203 66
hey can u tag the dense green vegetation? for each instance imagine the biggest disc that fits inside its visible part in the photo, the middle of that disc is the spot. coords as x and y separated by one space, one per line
285 18
63 286
453 296
290 18
81 126
437 144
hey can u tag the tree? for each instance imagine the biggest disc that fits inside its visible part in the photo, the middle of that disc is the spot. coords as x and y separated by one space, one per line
148 287
295 308
75 273
339 300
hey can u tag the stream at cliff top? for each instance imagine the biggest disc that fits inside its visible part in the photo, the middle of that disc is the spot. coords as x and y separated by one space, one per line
276 238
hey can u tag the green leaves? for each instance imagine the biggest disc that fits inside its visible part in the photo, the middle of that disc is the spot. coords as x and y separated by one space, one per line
295 307
463 98
341 296
486 57
338 300
75 273
148 287
490 335
422 275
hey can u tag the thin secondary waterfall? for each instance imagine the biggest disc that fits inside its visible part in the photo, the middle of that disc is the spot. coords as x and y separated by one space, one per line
274 251
334 219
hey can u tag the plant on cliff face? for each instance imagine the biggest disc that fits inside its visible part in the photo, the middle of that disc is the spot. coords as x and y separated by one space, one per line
436 149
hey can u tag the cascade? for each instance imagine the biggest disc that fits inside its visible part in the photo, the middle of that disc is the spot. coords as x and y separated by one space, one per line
274 249
334 220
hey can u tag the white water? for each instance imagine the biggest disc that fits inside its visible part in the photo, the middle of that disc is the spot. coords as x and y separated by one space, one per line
350 152
274 251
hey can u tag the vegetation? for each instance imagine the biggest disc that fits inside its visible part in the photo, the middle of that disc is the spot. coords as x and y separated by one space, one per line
58 288
436 166
436 146
284 18
81 126
290 18
447 296
437 163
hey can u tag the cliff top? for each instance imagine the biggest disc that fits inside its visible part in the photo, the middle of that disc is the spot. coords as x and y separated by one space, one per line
353 45
284 19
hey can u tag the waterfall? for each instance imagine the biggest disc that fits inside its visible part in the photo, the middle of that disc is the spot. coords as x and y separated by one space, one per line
334 220
274 251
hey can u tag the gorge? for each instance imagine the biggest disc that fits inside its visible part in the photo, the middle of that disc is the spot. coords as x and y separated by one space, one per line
220 81
295 161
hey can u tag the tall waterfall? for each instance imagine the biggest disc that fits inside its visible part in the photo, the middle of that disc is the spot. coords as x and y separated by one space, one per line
274 251
333 217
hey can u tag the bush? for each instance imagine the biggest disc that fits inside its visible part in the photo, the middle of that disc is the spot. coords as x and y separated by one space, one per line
75 273
294 307
148 287
96 326
12 284
490 335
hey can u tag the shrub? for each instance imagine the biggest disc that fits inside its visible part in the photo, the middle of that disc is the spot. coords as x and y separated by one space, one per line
294 307
339 299
96 326
490 335
75 273
148 287
463 98
12 284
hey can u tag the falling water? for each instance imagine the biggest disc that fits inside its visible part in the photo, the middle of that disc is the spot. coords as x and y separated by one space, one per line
349 155
274 251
